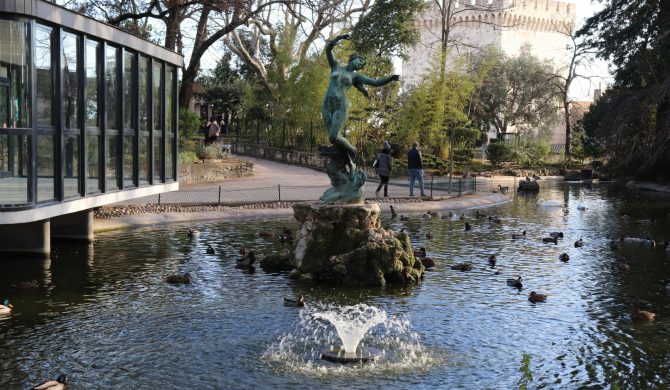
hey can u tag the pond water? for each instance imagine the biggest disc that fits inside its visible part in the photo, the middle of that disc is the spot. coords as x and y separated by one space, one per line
105 316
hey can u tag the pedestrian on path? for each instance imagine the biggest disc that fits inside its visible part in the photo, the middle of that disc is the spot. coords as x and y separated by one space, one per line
415 167
383 166
214 131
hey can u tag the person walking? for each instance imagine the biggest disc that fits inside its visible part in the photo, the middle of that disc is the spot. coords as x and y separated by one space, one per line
383 167
415 167
214 131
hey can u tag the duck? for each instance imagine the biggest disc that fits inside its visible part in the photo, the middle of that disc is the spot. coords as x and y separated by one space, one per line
624 216
404 218
210 250
435 214
26 285
246 261
492 261
462 267
515 282
285 239
243 250
556 234
179 279
536 177
549 203
535 297
193 233
427 215
393 213
642 315
579 243
503 190
581 207
6 307
550 240
494 220
666 284
59 384
480 215
467 227
625 267
420 253
637 240
294 302
449 215
428 262
517 236
429 235
564 257
266 235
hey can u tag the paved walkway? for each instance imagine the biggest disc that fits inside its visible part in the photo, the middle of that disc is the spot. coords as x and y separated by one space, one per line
269 174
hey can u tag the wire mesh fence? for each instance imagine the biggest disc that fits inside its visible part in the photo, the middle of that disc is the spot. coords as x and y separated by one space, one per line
226 194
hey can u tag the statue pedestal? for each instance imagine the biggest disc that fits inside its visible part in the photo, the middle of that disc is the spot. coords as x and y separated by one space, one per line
529 186
347 245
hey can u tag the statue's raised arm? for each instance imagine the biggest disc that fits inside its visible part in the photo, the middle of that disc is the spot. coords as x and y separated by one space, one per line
329 50
359 78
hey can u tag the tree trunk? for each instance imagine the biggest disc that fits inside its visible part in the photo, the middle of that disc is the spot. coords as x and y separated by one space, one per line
568 127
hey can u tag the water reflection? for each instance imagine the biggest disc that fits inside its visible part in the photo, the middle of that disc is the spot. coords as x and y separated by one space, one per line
104 314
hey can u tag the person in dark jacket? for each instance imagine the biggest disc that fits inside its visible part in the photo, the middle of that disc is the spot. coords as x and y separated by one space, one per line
383 168
415 167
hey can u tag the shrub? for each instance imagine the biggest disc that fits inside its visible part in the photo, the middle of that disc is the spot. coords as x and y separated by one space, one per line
498 152
187 156
464 155
209 152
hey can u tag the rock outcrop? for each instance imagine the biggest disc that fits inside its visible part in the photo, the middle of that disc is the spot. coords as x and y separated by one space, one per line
347 245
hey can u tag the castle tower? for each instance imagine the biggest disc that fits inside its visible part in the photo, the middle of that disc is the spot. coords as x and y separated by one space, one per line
504 24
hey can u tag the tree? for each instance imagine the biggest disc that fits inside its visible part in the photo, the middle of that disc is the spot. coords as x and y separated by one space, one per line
580 55
636 127
516 93
209 20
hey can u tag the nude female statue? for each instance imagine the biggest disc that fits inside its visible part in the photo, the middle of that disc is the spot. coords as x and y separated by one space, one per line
335 110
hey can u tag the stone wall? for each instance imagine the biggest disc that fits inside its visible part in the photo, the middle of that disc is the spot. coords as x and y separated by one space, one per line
296 157
215 170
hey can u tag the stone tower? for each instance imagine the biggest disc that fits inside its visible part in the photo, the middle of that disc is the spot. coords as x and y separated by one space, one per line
504 24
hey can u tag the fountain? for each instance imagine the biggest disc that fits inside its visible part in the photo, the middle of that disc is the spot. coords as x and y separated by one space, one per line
351 324
343 334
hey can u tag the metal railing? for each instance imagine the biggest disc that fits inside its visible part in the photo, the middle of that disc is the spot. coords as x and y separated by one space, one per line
226 194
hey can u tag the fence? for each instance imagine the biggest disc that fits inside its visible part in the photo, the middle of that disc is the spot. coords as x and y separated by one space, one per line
225 195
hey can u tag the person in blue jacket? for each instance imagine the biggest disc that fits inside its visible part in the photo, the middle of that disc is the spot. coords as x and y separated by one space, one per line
415 167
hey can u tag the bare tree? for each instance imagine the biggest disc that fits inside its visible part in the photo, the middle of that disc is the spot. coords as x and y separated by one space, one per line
581 57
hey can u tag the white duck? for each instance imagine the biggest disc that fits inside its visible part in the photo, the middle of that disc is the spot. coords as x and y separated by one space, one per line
6 307
549 203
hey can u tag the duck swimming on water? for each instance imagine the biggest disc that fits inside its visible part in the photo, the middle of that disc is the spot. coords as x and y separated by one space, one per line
6 307
515 282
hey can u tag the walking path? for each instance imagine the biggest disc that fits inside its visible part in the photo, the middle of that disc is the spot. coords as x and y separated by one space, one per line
269 174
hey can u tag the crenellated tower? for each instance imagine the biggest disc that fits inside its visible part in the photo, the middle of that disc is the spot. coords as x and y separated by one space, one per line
504 24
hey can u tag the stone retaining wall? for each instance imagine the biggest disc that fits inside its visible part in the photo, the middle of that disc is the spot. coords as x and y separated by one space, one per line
308 159
215 170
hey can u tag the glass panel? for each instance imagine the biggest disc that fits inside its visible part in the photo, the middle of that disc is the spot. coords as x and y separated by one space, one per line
128 84
169 140
157 119
93 138
92 72
128 159
143 108
70 104
111 89
70 81
71 164
45 167
14 165
129 129
45 113
111 162
15 74
111 108
144 158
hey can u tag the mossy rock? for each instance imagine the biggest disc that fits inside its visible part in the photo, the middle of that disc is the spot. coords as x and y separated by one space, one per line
277 262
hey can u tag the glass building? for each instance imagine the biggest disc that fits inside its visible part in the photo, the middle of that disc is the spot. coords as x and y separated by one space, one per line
86 110
88 117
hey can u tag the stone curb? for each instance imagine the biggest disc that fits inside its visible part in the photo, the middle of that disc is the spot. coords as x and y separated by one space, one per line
150 219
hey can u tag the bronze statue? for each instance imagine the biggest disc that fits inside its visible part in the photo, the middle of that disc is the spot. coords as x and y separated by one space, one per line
345 182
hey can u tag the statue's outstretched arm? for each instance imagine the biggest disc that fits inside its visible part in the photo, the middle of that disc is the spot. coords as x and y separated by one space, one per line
376 82
329 49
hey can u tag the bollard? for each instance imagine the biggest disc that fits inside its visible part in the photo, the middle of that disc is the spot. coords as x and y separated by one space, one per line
432 177
279 191
219 202
159 199
460 180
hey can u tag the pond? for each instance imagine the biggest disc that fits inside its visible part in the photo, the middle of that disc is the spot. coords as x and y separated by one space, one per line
104 315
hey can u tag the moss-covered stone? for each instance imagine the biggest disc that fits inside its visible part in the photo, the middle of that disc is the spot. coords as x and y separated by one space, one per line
277 262
347 245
